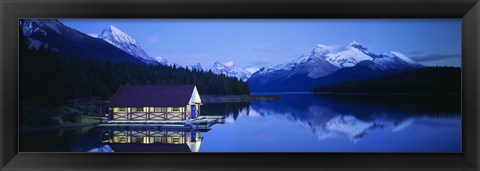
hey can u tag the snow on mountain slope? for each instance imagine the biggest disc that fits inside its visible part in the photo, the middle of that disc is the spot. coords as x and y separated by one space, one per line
121 40
39 25
68 42
229 64
161 60
329 65
348 55
325 60
196 66
251 70
229 69
313 65
403 57
395 61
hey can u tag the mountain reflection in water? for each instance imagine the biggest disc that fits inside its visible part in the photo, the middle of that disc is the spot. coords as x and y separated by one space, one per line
297 123
353 116
417 121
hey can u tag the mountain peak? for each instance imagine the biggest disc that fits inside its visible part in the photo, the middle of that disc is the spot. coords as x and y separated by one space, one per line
356 45
196 66
123 41
111 27
113 34
321 47
68 41
115 30
30 26
353 42
228 68
161 60
229 63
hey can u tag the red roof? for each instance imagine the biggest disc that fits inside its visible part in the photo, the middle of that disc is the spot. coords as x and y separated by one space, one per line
152 96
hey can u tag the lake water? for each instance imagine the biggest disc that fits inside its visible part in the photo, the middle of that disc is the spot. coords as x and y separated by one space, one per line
297 123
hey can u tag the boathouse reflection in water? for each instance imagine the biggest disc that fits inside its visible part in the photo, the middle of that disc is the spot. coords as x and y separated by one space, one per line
152 140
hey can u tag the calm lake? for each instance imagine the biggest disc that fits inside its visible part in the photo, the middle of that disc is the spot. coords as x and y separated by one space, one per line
297 123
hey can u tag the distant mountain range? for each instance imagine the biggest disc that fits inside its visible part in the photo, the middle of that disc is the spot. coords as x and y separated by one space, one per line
111 44
327 65
196 66
324 66
229 69
69 42
116 37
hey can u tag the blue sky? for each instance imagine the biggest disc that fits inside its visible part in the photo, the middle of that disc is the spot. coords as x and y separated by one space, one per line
263 42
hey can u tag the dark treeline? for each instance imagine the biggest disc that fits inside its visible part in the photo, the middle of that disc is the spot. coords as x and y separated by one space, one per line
48 78
431 80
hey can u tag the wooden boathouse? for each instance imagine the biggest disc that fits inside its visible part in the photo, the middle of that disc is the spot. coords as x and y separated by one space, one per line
155 103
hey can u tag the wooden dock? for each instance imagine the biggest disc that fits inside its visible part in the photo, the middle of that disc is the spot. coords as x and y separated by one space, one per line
200 123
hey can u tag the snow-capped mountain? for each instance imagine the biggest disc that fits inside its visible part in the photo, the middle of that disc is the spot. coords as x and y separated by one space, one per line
196 66
69 42
36 29
346 56
395 60
325 60
229 69
161 60
121 40
32 26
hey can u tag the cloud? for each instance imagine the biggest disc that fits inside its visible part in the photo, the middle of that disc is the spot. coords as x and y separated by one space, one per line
267 47
93 35
435 57
415 52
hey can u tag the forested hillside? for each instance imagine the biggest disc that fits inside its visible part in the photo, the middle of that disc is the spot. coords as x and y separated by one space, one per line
430 80
48 78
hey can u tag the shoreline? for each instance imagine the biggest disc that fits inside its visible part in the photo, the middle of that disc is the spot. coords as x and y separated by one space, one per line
348 93
384 94
237 98
71 125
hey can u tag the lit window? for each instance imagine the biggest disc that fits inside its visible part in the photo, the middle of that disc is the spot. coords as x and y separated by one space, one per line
160 109
176 109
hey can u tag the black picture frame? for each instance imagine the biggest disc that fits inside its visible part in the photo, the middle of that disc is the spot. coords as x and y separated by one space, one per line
11 11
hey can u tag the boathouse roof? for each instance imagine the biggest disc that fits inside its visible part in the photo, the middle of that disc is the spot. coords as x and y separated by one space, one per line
152 96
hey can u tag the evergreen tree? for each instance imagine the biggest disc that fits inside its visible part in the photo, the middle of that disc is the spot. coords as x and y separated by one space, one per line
48 78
